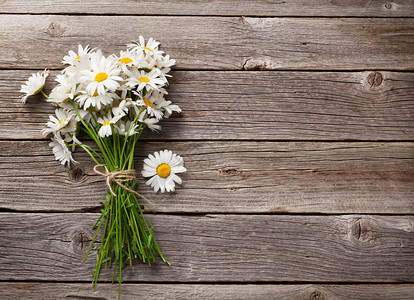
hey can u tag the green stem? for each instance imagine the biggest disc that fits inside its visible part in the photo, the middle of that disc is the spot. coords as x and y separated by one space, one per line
126 233
43 93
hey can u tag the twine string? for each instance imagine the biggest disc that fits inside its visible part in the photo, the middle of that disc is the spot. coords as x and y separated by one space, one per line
118 177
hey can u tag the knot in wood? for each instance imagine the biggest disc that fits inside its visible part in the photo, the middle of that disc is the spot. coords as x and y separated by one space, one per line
317 295
229 172
259 63
76 174
365 231
252 64
234 172
80 240
388 6
375 79
55 29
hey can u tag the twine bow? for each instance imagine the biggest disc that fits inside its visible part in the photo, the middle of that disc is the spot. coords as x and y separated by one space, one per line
118 177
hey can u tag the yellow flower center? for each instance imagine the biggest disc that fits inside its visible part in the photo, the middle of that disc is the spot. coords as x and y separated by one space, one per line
106 123
126 60
115 105
101 77
77 58
148 103
94 94
163 170
146 48
61 121
144 79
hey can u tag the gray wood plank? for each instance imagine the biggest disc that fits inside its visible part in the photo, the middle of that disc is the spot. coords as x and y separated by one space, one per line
259 105
237 177
365 8
39 41
52 291
220 248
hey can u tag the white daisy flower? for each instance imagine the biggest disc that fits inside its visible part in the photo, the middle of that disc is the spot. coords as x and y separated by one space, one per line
84 114
126 128
129 58
73 57
67 89
151 106
95 100
120 108
150 122
129 103
60 94
64 122
34 84
106 129
104 75
165 106
75 70
61 151
168 107
162 168
143 79
150 48
69 81
165 65
148 63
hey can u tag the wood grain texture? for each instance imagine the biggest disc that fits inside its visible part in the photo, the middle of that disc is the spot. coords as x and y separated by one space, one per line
364 8
224 43
79 291
255 105
227 177
220 248
274 96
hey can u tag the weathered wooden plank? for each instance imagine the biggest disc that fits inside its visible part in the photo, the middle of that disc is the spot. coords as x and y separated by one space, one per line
397 8
227 177
33 41
263 105
52 291
220 248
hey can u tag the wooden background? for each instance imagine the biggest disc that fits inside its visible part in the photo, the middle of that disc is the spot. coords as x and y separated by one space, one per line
297 131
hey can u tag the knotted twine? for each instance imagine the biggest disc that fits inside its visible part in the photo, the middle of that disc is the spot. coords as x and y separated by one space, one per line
118 177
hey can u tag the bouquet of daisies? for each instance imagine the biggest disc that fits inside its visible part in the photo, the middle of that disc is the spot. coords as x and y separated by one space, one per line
113 99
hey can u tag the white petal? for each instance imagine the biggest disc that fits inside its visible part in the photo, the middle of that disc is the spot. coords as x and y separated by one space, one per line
148 173
151 161
177 179
179 169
